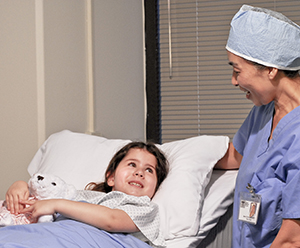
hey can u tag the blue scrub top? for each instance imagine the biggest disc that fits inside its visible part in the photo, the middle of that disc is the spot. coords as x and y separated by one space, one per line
273 169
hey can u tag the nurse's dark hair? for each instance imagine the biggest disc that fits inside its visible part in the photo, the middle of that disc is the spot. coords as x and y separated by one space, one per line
162 167
287 73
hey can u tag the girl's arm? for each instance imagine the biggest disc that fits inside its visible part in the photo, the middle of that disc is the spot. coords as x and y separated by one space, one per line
111 220
17 192
231 160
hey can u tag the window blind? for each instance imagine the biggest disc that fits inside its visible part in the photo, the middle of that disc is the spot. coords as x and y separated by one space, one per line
197 97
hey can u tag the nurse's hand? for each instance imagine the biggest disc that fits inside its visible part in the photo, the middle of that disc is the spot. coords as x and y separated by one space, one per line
17 192
288 235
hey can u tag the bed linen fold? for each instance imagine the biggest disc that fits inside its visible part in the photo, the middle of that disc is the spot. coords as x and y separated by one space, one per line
64 233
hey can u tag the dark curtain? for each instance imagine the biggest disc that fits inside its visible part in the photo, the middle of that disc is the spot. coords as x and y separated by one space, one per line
152 72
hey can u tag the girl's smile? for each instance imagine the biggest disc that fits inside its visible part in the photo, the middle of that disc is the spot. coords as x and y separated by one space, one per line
135 174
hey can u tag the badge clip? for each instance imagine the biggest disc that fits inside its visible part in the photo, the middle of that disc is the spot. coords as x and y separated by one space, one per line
249 205
251 189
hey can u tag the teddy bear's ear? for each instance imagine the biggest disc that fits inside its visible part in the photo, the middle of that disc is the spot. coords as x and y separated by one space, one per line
70 192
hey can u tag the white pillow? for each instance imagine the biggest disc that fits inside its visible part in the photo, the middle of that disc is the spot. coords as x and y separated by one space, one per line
75 157
218 197
80 158
181 195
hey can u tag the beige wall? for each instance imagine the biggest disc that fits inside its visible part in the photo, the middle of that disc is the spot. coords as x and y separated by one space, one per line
44 79
18 98
119 87
65 65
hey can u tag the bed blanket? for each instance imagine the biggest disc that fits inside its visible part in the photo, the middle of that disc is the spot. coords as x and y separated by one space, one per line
65 233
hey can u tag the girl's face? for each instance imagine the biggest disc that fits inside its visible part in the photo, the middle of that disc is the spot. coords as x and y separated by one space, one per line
135 174
254 82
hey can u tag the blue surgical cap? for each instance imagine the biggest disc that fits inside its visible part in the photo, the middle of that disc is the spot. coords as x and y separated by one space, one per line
265 37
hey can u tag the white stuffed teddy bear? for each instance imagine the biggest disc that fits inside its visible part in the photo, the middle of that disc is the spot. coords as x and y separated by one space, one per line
41 187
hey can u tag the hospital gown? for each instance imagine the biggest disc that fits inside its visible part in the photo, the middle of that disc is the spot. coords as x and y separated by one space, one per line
66 232
273 169
141 210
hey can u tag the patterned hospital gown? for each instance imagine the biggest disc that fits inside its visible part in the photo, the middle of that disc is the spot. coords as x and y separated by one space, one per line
141 210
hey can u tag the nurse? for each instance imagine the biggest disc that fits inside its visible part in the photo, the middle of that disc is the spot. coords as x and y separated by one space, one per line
264 50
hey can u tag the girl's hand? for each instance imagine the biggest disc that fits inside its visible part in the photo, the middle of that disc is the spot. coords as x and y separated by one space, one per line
16 193
39 208
111 220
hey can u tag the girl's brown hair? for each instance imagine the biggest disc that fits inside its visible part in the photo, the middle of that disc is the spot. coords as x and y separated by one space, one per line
162 167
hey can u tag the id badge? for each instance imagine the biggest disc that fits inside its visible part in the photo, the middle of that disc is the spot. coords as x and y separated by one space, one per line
249 207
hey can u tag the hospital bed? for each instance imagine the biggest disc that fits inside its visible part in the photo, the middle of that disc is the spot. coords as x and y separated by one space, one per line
195 201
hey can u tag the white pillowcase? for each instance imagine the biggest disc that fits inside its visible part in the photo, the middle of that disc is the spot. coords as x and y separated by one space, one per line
218 197
75 157
181 195
80 158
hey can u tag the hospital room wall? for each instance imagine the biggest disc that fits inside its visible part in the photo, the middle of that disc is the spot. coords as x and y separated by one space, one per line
46 68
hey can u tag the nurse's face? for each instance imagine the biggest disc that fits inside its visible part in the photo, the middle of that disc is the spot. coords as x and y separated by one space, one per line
251 80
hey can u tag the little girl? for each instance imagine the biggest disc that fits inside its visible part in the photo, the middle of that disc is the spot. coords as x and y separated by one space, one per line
131 180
